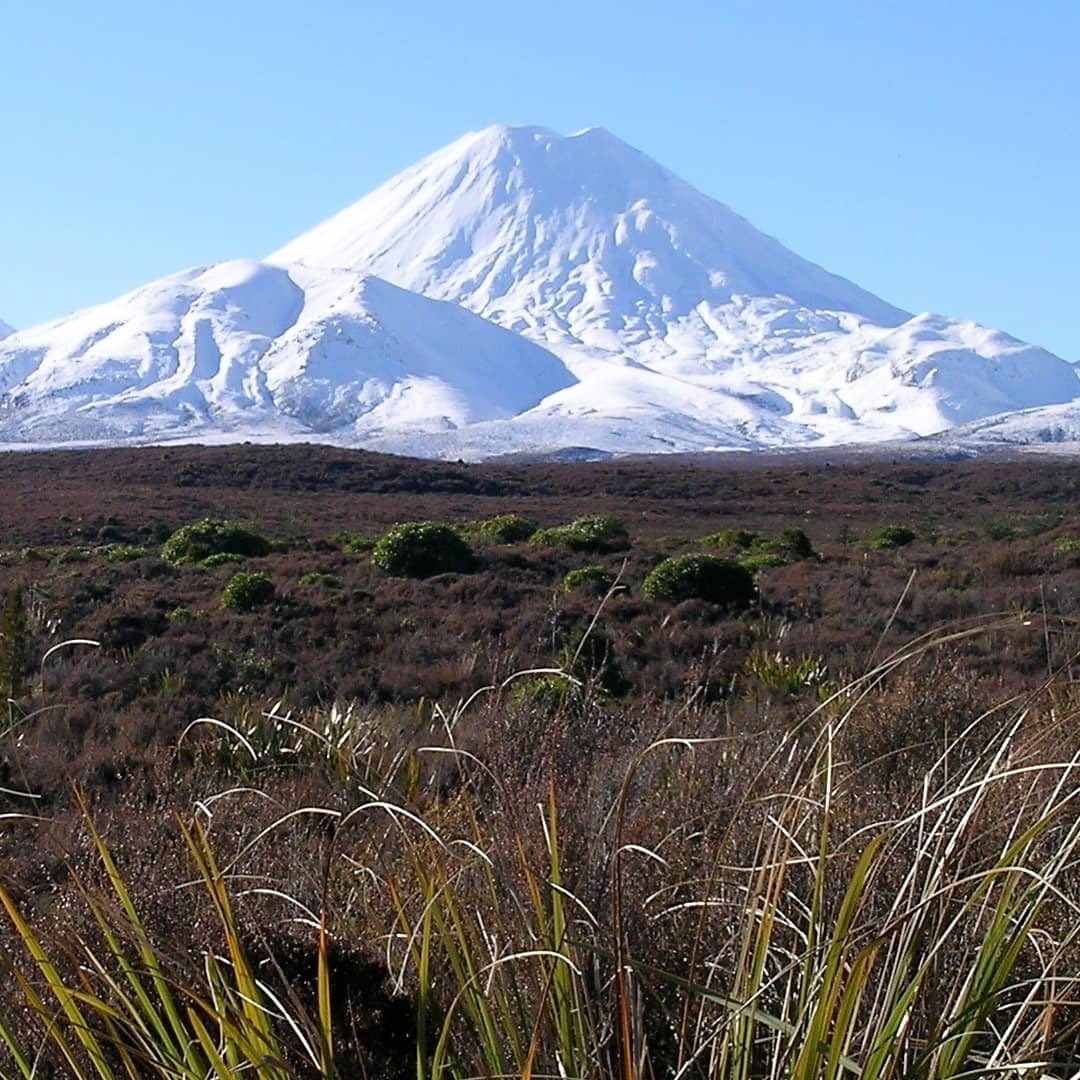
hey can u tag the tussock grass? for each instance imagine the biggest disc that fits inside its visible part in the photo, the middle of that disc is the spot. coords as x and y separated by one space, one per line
787 931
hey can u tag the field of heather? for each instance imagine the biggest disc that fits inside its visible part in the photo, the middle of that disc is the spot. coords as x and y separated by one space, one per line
715 768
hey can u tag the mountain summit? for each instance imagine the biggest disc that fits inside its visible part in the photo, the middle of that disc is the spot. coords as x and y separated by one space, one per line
5 330
518 291
583 233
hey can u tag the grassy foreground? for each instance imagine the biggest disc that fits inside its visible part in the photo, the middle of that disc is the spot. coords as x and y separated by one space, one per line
723 903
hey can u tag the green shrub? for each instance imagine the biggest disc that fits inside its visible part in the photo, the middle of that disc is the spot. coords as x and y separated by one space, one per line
700 577
222 558
757 552
793 542
1067 547
421 549
181 614
1000 529
125 552
890 536
325 581
212 536
353 543
247 591
593 532
79 554
1042 523
756 561
592 580
732 539
503 529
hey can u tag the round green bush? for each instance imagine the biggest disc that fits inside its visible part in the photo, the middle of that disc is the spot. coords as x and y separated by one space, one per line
700 577
421 549
592 580
212 536
504 529
890 536
592 532
246 591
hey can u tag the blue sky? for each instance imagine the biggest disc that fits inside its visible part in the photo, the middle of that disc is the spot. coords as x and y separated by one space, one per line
929 151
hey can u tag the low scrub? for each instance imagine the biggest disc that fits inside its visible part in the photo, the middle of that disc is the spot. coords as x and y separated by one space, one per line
757 552
222 558
213 536
324 581
890 536
353 543
756 561
125 552
793 543
700 577
502 529
803 934
422 549
591 532
590 580
247 591
732 539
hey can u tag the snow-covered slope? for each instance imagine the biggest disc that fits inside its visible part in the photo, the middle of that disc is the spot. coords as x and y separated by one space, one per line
1051 427
585 233
263 350
5 329
518 291
685 325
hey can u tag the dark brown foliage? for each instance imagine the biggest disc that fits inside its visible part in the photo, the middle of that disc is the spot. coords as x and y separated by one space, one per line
111 717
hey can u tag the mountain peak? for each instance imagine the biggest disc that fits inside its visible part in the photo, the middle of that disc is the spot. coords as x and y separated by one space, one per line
524 134
575 236
5 330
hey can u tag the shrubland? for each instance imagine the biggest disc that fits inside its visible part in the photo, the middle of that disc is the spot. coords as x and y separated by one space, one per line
472 821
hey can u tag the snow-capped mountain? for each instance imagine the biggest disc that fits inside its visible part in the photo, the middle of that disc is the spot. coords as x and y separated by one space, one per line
585 234
5 329
687 328
518 291
257 349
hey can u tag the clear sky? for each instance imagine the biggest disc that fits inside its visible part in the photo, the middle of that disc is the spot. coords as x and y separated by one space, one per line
927 149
